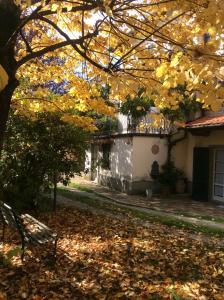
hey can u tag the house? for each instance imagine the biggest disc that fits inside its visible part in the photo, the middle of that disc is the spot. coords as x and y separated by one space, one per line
123 160
201 156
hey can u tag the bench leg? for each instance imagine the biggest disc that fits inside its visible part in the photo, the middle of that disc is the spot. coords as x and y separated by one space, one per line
55 248
3 232
23 250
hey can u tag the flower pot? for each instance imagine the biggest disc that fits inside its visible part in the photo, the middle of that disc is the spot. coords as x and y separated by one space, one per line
165 190
180 186
148 193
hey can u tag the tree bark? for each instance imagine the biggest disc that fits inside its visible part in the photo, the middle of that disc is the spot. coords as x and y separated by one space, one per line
55 192
9 21
171 143
5 102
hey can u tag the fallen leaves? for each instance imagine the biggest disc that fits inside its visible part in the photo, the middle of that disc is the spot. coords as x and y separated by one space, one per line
100 258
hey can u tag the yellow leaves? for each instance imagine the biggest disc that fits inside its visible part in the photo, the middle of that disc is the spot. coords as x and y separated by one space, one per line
3 296
212 30
119 258
83 122
162 70
106 4
54 7
69 6
158 64
139 108
169 72
3 78
157 119
176 59
215 105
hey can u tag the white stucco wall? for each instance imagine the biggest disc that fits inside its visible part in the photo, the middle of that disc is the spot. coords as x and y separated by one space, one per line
143 156
122 123
121 163
88 159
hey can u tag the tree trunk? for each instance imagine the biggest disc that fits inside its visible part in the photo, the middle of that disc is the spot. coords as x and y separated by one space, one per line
55 192
5 101
9 22
171 143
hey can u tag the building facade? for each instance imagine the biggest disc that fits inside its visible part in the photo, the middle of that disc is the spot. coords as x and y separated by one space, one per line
123 160
201 156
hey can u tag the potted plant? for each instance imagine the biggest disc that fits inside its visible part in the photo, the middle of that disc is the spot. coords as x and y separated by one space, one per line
168 178
180 186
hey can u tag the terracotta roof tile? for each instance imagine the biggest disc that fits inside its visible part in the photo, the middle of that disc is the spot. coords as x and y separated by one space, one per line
211 121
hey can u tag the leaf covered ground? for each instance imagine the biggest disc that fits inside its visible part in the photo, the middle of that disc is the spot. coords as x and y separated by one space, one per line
105 258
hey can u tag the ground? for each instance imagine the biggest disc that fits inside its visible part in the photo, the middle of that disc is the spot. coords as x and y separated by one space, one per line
105 257
179 204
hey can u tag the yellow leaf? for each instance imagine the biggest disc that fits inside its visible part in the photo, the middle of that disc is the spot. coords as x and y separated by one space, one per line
161 70
54 7
69 6
3 78
175 61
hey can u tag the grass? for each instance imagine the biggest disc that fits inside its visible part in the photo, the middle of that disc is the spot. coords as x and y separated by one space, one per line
218 219
81 187
201 217
112 207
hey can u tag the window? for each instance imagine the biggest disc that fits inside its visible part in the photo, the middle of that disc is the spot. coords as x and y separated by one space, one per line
218 188
105 162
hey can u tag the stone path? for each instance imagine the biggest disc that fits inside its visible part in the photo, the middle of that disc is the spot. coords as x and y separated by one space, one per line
174 204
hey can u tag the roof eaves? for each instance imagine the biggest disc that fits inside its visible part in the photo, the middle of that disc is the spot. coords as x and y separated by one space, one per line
205 126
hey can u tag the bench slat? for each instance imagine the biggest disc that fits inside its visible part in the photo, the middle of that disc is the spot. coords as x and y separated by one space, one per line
40 233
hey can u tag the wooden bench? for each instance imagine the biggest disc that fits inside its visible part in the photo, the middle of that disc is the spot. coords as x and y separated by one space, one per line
29 228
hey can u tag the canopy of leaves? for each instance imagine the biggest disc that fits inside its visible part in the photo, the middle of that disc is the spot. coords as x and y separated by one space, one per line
107 124
186 108
127 44
137 106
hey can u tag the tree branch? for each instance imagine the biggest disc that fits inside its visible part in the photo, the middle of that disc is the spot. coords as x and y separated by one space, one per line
146 38
29 49
72 42
22 24
78 41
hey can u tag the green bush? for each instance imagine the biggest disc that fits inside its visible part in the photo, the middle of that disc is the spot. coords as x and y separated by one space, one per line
37 154
169 174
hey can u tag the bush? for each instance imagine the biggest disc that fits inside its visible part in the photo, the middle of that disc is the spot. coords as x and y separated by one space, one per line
169 175
38 154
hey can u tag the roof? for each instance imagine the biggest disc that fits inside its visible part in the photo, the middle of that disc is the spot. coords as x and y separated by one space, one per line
110 136
209 121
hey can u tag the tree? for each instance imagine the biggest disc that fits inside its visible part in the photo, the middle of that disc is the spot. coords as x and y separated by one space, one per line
39 153
177 117
175 120
136 108
156 44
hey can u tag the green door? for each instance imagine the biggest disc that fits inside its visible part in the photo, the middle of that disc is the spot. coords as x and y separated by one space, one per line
200 184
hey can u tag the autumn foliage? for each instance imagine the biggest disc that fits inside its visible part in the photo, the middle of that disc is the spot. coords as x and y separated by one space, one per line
152 44
104 258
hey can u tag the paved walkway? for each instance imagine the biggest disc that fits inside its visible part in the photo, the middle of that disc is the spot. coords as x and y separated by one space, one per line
205 214
174 205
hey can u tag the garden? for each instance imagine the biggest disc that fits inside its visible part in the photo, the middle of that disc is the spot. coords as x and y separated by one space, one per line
66 68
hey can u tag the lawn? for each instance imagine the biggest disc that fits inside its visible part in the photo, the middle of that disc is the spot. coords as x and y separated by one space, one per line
104 258
113 207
